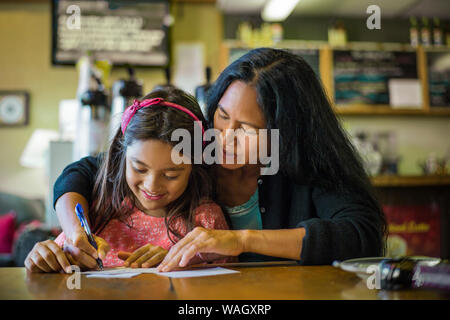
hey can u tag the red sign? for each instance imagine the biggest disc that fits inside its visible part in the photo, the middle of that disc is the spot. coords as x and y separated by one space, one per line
413 230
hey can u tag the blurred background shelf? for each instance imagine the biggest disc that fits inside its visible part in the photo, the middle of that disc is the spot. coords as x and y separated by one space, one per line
366 109
321 57
410 181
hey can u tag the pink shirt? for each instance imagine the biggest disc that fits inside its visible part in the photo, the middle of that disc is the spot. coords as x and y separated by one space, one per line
148 229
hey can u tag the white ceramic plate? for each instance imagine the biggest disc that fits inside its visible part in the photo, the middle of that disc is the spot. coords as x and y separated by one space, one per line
360 266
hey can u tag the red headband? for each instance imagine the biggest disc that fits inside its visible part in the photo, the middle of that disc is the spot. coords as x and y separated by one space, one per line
131 110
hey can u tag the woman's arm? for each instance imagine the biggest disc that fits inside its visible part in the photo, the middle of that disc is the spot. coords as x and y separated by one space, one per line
76 241
345 227
47 256
285 243
209 215
75 185
66 214
332 227
77 177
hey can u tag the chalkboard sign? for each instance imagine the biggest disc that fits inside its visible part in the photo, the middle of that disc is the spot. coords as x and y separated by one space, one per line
362 76
311 56
125 32
439 78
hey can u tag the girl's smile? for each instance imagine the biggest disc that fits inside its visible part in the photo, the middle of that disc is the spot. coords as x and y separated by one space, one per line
153 177
152 196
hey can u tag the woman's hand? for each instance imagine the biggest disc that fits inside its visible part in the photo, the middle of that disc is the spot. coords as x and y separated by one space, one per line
79 248
146 256
47 256
201 240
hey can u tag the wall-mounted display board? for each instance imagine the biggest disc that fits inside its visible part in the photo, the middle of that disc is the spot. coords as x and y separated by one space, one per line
438 65
362 76
356 77
123 32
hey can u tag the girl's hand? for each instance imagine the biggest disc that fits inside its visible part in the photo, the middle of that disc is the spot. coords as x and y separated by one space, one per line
145 257
47 256
201 240
79 247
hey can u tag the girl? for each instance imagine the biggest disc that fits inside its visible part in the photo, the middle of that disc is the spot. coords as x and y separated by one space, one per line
142 200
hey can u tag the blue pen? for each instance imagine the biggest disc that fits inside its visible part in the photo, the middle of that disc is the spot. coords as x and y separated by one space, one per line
85 225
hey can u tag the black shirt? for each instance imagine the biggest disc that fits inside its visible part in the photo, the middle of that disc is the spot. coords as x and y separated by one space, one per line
337 227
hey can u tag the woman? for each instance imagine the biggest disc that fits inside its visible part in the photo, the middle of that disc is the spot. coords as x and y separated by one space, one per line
318 208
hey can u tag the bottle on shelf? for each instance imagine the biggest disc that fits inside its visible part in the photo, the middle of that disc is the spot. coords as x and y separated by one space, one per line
337 35
437 33
277 32
245 33
425 32
413 32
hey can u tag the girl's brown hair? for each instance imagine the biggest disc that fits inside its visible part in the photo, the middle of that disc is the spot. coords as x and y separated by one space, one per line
154 122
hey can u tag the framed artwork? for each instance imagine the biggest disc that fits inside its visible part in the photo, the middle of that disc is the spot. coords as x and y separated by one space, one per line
14 108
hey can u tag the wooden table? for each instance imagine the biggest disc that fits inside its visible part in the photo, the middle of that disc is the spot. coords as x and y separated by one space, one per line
252 283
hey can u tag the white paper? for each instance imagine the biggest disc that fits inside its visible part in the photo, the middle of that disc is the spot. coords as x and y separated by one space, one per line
120 270
198 273
122 273
189 66
115 276
405 93
132 272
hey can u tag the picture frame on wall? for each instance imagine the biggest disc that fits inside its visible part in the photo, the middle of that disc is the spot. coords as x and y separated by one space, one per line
14 108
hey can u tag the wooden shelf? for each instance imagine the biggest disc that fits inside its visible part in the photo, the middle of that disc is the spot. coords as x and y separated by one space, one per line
410 181
364 109
444 111
326 74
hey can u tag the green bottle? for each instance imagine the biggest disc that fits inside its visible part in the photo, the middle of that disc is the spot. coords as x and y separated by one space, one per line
437 33
413 32
425 32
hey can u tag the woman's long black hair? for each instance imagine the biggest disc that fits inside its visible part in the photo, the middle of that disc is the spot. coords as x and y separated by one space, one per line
314 149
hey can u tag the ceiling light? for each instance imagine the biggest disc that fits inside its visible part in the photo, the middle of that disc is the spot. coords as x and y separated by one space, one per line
278 10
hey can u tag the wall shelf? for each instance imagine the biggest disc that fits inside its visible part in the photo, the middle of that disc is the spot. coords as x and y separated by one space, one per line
386 110
410 181
326 74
